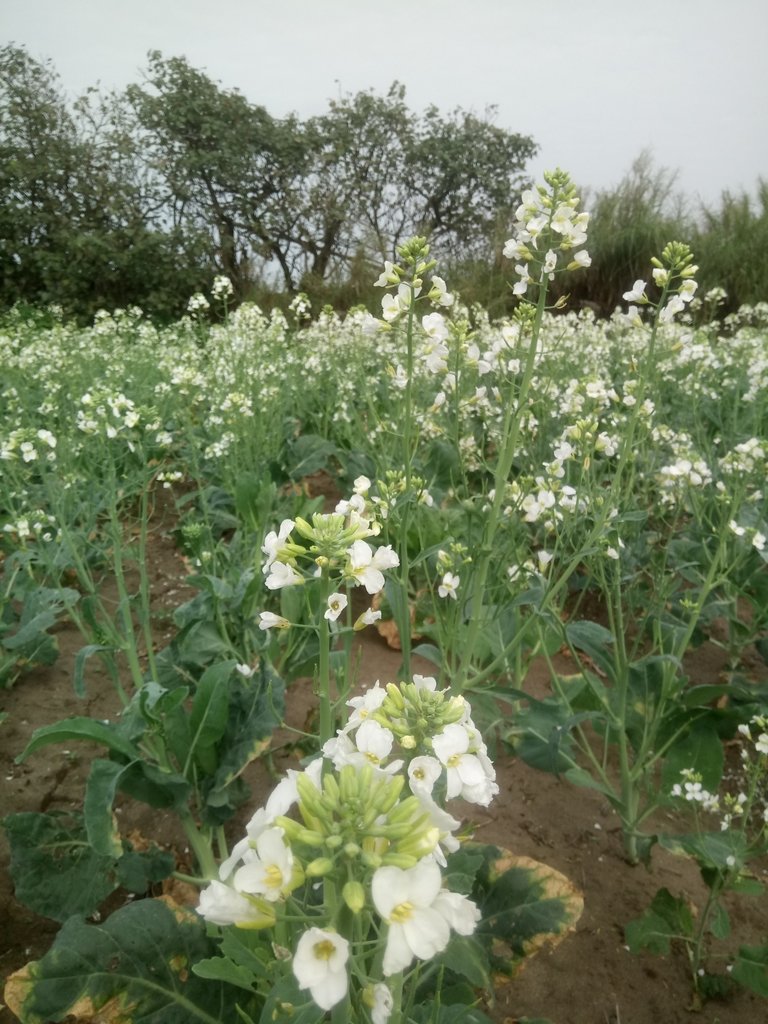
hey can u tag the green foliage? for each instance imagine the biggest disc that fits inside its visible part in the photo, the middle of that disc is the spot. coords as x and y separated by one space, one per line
524 905
28 611
57 872
138 964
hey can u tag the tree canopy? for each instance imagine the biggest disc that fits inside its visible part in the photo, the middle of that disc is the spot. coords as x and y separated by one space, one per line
142 196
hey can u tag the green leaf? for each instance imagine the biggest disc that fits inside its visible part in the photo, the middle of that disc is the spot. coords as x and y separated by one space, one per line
78 672
208 718
719 922
750 968
667 918
594 640
221 968
465 956
79 728
287 991
137 870
430 653
716 850
55 871
256 707
451 1012
525 905
100 792
136 967
701 749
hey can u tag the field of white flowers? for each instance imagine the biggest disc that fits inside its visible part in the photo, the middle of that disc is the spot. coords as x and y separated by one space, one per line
515 496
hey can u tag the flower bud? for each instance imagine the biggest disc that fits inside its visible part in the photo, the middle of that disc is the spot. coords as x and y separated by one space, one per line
353 895
318 867
395 696
399 860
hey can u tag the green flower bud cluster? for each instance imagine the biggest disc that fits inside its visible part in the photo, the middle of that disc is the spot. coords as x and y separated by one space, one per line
331 534
414 714
358 817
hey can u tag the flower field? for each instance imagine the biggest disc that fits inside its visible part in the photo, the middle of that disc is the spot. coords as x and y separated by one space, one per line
354 660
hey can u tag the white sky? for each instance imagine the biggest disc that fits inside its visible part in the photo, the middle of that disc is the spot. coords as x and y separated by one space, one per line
594 82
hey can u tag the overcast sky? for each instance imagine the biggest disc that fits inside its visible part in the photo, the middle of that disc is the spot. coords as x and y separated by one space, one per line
594 81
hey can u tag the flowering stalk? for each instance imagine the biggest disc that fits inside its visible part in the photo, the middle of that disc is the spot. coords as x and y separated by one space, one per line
537 219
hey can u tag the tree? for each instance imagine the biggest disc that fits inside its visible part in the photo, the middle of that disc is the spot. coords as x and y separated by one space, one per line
227 165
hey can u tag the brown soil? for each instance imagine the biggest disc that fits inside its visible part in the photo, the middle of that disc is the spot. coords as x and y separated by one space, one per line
589 978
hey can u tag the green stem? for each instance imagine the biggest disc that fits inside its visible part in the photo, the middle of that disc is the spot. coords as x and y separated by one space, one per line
324 663
404 625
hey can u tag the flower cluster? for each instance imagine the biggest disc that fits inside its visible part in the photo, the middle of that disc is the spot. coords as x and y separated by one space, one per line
548 230
673 275
335 544
370 830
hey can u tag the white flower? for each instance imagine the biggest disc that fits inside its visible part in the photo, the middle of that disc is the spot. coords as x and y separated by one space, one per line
268 620
419 919
365 567
382 1003
268 870
273 543
449 586
388 276
336 605
580 259
675 305
469 775
423 773
637 292
320 964
282 575
434 326
661 276
362 707
368 617
439 294
221 904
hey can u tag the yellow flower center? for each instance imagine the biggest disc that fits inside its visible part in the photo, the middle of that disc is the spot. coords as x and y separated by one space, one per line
371 758
402 912
324 950
454 760
273 876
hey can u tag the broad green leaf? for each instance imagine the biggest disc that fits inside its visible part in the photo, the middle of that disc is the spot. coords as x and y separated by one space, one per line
750 968
221 968
100 791
78 672
594 640
55 871
715 850
465 956
136 968
151 785
137 870
430 653
256 707
451 1012
525 906
719 922
208 718
701 749
79 728
667 918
